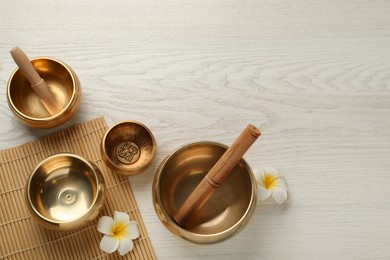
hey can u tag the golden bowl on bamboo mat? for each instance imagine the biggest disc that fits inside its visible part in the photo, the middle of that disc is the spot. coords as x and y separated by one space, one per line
128 148
26 105
224 214
65 192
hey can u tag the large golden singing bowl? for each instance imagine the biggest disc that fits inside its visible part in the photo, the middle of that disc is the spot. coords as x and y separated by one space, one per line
128 148
224 214
25 103
65 192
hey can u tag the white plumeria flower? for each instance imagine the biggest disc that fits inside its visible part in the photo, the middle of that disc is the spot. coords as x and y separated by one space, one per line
118 233
271 184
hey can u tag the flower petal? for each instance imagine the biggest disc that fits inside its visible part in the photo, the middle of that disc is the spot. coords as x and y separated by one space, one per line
263 193
270 171
279 194
121 217
104 225
258 174
132 231
281 183
125 245
109 244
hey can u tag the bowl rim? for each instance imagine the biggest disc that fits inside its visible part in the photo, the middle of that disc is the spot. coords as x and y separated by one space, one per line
99 187
43 119
189 234
119 168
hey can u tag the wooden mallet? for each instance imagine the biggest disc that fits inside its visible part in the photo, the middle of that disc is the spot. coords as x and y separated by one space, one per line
37 83
217 174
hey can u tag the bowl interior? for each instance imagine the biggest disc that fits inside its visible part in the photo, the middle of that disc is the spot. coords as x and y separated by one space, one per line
185 169
57 77
129 146
63 188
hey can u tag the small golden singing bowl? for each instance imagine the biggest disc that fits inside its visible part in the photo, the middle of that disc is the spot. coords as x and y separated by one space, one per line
128 148
224 214
25 103
65 192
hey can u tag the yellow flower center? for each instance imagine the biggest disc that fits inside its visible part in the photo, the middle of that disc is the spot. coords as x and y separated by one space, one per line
118 229
269 181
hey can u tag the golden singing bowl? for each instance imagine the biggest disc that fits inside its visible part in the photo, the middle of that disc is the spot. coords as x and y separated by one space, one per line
224 214
128 148
25 103
65 192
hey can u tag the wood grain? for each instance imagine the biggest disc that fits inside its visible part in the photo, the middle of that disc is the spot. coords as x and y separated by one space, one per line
314 76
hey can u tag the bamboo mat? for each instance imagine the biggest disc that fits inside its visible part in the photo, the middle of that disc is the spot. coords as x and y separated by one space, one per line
22 238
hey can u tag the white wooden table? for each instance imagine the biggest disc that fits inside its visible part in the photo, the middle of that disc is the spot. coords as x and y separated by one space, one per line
313 75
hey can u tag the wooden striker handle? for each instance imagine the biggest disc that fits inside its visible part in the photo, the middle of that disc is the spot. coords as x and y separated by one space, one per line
217 174
37 83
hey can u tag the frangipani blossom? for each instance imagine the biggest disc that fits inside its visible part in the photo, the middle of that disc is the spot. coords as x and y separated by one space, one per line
271 184
118 233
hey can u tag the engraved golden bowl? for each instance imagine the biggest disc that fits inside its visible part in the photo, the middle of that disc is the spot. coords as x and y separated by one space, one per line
65 192
25 103
128 148
224 214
